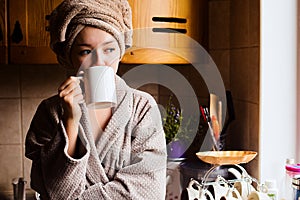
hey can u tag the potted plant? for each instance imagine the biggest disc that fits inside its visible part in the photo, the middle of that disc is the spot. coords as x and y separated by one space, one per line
175 133
180 133
172 122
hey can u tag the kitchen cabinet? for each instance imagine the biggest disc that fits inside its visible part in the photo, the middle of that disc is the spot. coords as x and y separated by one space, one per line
23 23
24 39
166 31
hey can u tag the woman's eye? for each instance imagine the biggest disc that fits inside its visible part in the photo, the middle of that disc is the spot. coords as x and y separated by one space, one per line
109 50
85 52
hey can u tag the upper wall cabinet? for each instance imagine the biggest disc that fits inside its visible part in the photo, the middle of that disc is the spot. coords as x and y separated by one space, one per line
3 28
167 31
23 24
164 31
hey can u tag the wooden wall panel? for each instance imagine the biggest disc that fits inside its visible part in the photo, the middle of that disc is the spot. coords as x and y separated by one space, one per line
34 48
3 32
162 29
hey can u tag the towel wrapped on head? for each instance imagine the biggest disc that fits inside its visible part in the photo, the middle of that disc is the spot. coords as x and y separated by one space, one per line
71 16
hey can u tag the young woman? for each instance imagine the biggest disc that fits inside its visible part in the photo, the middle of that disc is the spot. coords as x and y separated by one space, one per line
80 153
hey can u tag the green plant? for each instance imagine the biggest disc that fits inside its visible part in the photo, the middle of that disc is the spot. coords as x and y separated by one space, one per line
172 121
177 129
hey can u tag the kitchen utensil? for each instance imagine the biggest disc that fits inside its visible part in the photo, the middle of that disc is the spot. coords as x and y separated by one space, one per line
231 117
19 188
226 157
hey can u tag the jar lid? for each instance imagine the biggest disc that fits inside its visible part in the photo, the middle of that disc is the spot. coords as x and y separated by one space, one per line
270 184
290 161
296 180
293 168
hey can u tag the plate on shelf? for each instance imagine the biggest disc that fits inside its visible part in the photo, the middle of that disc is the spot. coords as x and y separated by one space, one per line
226 157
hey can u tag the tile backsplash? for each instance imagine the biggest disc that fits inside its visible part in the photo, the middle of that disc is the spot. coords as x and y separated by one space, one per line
22 87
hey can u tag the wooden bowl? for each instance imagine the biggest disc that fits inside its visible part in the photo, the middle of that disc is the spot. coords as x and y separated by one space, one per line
226 157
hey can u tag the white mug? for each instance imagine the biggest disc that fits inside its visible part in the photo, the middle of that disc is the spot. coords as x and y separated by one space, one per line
244 189
243 186
225 192
99 87
256 195
195 191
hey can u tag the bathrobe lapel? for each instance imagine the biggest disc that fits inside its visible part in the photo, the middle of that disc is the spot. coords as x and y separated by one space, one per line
95 172
113 131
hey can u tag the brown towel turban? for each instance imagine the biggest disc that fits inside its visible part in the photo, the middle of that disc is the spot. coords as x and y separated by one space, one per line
71 16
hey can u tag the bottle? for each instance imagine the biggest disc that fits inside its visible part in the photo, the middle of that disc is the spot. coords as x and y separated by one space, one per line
287 186
292 170
272 189
296 188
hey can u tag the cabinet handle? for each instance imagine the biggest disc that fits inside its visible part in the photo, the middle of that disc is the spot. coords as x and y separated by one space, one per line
47 17
17 35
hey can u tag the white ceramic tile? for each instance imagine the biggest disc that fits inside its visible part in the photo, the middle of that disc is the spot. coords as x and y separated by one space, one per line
239 23
239 128
198 83
10 121
40 81
253 74
222 61
239 73
29 107
254 22
27 168
219 24
253 126
9 81
10 165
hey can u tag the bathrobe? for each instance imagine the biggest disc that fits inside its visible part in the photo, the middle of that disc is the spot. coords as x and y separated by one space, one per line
127 162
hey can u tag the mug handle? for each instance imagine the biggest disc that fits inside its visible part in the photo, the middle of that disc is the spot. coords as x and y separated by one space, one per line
193 189
231 189
206 193
237 194
196 192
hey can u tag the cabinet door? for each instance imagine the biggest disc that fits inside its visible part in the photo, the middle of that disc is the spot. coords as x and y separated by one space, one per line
28 38
166 31
3 32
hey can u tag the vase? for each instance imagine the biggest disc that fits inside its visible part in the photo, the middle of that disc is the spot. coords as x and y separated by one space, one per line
175 149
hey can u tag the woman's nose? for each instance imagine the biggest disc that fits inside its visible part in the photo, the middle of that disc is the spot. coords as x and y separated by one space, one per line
97 58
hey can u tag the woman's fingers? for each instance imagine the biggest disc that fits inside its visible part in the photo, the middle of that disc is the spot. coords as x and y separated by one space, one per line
71 94
69 86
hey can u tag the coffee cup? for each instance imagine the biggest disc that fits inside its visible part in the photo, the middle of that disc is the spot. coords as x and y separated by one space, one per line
99 87
260 193
244 188
195 191
223 191
244 182
227 194
256 195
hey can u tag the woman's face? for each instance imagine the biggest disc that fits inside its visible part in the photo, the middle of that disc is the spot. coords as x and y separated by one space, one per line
94 47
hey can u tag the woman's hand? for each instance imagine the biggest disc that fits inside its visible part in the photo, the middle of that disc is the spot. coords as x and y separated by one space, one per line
71 94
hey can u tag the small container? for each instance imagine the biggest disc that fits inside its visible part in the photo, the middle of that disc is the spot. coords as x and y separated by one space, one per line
296 188
272 189
292 170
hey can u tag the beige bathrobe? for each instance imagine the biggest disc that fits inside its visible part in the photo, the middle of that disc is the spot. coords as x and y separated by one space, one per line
128 162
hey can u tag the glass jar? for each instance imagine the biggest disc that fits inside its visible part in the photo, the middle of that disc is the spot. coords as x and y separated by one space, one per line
296 188
292 171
